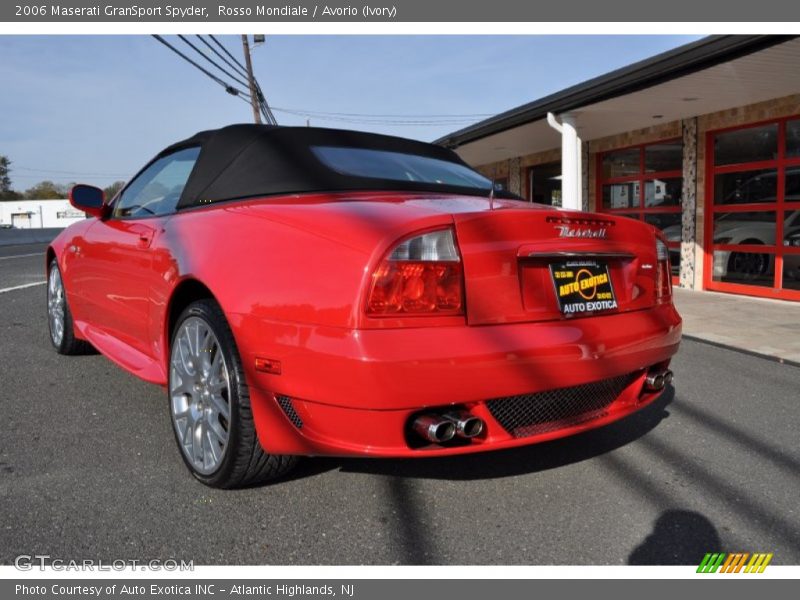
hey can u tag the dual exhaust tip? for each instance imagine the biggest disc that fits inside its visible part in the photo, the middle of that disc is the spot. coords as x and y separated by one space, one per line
438 428
658 380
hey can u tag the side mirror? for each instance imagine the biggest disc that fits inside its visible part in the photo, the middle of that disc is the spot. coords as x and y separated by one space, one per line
89 199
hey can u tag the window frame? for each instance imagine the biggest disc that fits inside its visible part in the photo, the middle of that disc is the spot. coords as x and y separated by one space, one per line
114 204
780 207
641 177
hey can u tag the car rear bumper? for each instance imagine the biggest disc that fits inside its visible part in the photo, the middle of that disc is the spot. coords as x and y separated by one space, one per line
353 392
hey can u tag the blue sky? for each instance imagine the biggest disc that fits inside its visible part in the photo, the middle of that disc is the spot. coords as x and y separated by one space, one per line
95 108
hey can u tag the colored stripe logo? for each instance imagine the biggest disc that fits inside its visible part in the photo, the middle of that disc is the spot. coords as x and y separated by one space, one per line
736 562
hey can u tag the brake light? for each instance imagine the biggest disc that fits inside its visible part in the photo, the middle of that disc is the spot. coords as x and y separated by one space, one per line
422 275
663 271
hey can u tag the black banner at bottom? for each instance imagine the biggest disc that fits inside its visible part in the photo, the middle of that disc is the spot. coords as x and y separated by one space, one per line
368 589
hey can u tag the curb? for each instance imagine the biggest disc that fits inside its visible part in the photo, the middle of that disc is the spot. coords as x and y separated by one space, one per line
768 357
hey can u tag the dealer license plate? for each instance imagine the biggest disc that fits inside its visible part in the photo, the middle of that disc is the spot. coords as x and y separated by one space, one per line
583 286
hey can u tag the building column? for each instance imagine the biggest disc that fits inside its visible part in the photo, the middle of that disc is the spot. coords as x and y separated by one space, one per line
514 178
570 163
584 175
689 203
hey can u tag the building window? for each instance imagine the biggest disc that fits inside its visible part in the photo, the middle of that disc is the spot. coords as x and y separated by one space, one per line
544 184
754 217
646 182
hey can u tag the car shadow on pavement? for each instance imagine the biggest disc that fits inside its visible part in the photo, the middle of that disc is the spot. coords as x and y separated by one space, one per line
679 537
506 463
418 548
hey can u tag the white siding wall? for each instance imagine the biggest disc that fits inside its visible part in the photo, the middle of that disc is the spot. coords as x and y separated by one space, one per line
35 214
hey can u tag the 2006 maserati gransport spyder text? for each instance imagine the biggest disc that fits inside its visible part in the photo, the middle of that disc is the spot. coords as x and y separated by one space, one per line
305 291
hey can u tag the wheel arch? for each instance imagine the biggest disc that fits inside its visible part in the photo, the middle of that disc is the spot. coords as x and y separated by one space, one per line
187 291
50 255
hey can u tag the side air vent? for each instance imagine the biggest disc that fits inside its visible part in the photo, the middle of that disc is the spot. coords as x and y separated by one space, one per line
286 405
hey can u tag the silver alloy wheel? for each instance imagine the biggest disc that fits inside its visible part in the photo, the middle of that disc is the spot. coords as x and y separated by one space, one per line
199 391
56 305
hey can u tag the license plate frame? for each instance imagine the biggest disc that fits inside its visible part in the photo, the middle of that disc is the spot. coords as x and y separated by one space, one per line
583 287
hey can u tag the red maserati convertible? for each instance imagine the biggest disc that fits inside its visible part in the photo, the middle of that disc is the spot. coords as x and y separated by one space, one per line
305 291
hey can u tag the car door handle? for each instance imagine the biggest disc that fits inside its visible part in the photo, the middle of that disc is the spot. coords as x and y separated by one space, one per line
144 234
145 239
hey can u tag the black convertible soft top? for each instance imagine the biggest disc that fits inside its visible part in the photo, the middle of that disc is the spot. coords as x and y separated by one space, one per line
244 161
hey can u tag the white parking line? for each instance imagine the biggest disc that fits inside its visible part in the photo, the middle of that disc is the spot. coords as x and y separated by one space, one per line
21 287
21 256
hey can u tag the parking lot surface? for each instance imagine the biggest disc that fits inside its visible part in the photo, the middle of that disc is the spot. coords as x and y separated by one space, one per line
89 469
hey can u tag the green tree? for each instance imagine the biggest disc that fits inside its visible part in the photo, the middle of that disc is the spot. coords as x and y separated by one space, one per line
45 190
5 180
112 190
11 195
6 193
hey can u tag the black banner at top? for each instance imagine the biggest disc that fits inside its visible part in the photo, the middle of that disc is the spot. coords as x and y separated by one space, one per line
466 11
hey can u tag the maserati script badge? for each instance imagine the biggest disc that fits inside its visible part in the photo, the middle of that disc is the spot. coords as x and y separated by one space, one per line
566 231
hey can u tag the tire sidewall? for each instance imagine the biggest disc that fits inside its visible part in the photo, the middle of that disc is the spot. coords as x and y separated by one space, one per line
67 318
202 309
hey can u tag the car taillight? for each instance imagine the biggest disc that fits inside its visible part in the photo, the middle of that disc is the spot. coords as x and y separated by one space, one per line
422 275
663 271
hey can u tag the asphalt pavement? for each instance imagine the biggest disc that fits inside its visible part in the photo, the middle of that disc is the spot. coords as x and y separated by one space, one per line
89 469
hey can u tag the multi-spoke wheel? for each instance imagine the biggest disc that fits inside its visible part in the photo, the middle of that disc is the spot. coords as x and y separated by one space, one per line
56 305
210 404
59 317
200 395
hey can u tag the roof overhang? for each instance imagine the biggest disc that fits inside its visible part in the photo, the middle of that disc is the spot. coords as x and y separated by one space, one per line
713 74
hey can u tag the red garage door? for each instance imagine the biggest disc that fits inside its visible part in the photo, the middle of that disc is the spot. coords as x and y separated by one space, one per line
753 215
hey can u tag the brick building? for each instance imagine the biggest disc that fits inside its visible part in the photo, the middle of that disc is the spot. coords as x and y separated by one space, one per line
702 142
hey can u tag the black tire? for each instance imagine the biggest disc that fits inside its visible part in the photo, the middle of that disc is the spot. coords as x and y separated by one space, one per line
244 462
68 344
749 266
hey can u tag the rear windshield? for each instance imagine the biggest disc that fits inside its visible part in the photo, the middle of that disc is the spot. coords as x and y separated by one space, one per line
399 166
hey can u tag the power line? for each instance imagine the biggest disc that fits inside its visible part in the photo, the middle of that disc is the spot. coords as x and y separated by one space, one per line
14 176
265 108
376 121
371 115
228 87
15 167
257 95
261 99
258 98
232 65
201 53
242 69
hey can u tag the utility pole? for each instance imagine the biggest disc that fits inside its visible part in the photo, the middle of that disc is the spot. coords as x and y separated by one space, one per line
250 81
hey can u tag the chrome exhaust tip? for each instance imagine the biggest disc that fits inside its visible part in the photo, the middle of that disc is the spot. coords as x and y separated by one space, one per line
655 381
667 377
434 428
467 425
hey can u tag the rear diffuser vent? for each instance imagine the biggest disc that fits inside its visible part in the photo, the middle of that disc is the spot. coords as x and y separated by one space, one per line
540 412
